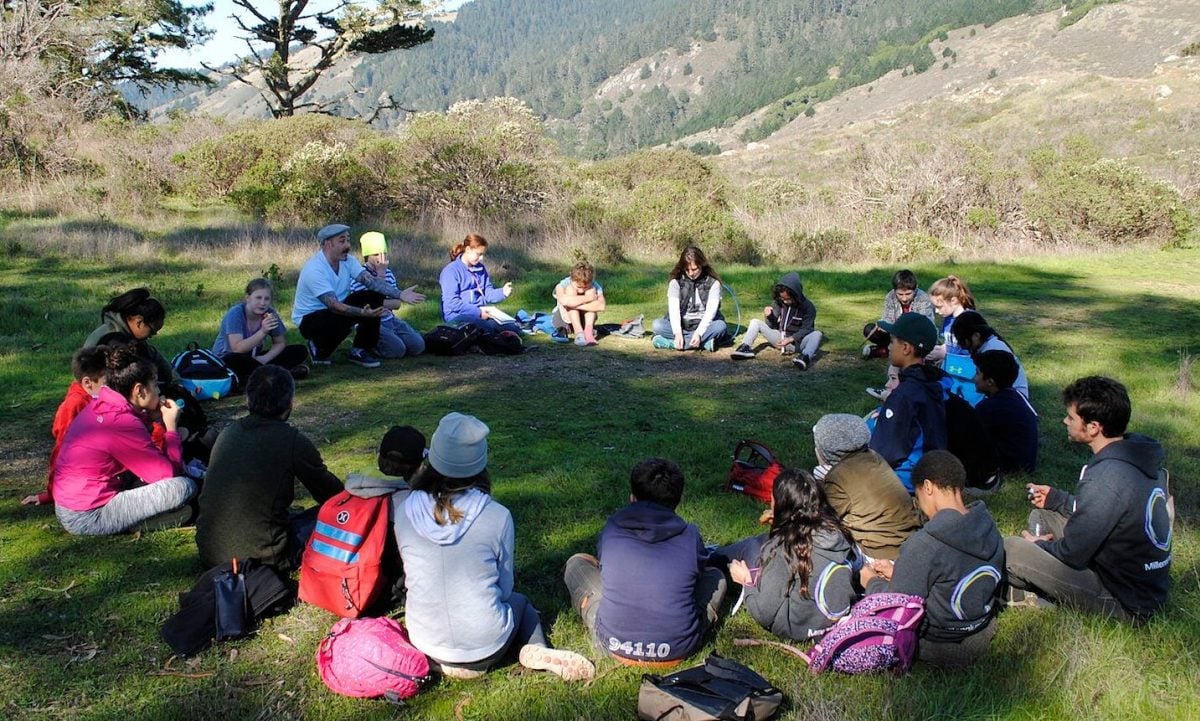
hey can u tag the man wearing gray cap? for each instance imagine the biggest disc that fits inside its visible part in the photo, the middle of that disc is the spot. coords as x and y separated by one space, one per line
326 311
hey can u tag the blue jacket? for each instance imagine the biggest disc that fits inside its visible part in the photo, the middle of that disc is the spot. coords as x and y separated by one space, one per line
912 421
650 563
466 290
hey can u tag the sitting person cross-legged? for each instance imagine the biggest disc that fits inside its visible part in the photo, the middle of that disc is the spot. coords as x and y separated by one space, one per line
109 476
649 598
251 480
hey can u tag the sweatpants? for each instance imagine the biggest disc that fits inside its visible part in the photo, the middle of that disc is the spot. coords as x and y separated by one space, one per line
243 364
128 508
808 344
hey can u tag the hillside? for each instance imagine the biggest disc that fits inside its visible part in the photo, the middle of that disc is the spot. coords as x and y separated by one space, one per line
611 76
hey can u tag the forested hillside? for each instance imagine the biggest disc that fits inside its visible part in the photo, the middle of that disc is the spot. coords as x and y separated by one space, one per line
556 56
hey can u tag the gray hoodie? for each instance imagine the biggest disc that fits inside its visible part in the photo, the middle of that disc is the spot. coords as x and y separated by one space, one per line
1118 524
777 603
458 576
955 563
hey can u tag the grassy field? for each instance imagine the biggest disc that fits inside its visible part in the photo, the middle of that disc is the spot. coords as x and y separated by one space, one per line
79 617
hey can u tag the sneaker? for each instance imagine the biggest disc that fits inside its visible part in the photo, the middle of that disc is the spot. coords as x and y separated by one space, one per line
316 358
363 357
662 343
868 350
710 345
590 337
560 336
460 673
566 664
878 394
801 362
1021 598
580 340
742 352
299 372
789 349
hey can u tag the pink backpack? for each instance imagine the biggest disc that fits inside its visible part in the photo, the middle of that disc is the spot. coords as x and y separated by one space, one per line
879 634
371 657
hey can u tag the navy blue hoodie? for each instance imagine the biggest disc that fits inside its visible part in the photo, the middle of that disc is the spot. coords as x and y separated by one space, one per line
1118 524
913 421
650 562
798 319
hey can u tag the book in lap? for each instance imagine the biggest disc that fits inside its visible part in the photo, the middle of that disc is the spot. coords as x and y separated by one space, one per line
498 315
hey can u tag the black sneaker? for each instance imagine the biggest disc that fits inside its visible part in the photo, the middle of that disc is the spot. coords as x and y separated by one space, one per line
299 372
801 362
317 359
363 357
742 352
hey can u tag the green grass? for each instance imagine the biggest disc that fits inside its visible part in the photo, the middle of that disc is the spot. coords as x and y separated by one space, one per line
79 617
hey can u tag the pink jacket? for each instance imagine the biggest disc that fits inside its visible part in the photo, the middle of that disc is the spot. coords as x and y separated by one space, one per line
108 437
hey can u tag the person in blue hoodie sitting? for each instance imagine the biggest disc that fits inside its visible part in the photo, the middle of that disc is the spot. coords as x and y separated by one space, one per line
955 562
913 418
649 597
457 544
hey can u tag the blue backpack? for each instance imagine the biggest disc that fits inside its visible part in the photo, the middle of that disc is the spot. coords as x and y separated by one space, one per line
203 374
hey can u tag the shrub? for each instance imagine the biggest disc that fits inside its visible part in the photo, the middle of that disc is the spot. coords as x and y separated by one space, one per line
818 246
705 147
979 218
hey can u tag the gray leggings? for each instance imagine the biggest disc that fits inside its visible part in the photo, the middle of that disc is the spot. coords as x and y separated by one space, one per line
128 508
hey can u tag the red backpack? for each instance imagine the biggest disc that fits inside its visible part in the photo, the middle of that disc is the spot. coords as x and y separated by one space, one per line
342 568
754 469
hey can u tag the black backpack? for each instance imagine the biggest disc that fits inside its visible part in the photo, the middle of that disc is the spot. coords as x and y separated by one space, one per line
720 689
505 342
449 340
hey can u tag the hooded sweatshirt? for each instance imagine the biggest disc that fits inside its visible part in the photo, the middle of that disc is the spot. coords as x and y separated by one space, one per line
955 562
109 437
913 421
114 329
798 319
650 562
777 602
458 576
1118 524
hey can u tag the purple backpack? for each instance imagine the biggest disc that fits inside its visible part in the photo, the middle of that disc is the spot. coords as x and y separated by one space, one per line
879 634
371 657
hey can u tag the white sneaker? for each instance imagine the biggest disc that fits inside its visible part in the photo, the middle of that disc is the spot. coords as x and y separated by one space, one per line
878 394
566 664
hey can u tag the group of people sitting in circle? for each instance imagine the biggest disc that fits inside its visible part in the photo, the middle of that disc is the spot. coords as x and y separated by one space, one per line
884 509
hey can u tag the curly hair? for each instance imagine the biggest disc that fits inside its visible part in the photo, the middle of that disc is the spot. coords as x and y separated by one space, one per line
801 510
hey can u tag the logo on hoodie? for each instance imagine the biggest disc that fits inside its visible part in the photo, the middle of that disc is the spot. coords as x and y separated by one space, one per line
981 574
1156 507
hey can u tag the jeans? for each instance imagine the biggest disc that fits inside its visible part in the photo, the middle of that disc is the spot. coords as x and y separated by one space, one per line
1031 568
128 508
398 339
716 331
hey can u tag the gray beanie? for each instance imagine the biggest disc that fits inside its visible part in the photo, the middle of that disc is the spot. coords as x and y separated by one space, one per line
459 446
837 435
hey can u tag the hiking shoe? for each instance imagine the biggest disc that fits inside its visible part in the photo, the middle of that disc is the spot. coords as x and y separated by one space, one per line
710 345
742 352
560 336
662 343
589 336
878 394
801 362
316 358
1021 598
363 357
580 340
566 664
299 372
459 672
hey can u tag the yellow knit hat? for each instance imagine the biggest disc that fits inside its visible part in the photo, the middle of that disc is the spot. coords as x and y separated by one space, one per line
372 243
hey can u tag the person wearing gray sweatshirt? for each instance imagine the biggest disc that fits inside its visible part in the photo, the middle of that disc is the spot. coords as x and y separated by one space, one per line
955 562
456 543
1107 548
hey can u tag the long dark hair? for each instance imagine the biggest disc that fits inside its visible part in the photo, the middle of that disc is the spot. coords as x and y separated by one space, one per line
137 302
444 489
126 370
801 510
690 255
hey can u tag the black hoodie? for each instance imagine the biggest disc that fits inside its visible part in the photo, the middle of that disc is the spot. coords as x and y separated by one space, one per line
955 562
798 319
650 562
1118 525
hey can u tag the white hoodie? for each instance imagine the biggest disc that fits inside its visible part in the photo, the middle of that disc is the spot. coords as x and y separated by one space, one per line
458 576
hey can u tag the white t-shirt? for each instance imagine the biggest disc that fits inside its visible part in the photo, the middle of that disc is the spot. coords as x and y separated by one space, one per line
317 278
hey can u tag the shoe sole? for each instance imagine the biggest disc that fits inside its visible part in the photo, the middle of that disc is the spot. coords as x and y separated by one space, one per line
741 356
568 665
462 674
365 364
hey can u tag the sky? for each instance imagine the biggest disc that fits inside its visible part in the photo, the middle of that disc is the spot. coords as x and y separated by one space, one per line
226 44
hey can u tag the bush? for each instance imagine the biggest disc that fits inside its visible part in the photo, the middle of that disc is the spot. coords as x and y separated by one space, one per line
907 246
705 147
818 246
